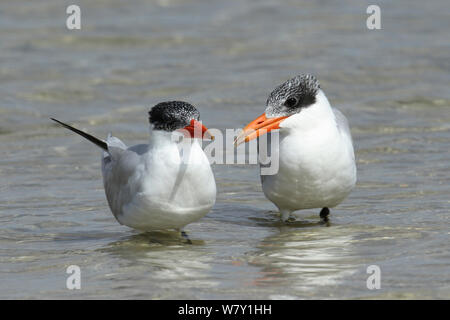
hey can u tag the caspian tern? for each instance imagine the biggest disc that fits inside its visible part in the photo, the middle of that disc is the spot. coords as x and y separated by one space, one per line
316 158
165 184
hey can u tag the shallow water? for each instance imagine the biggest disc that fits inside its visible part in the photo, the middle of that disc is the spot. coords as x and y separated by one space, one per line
225 58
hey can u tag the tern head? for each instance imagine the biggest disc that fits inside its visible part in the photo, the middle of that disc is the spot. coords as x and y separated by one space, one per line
181 116
292 96
290 103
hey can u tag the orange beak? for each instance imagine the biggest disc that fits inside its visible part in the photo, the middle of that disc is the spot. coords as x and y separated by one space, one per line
257 127
197 130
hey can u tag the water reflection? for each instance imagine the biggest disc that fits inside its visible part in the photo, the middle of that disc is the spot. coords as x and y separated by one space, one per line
164 260
303 256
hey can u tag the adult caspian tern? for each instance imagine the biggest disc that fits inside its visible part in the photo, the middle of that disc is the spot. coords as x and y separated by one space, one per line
165 184
316 159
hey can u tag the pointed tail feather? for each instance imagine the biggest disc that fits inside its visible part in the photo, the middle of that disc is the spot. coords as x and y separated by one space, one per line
92 139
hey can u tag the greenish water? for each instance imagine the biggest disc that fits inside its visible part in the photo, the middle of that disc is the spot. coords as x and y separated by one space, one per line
225 58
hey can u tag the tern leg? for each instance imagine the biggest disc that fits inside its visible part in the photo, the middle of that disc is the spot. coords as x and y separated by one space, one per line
285 214
324 213
185 236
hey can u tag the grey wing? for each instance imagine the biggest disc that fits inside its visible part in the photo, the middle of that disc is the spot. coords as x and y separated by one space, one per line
343 127
342 122
115 148
118 166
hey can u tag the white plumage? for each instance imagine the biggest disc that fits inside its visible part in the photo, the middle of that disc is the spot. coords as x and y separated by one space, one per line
316 160
160 185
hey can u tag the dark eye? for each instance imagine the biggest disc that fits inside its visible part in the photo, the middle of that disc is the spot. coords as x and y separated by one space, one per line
291 102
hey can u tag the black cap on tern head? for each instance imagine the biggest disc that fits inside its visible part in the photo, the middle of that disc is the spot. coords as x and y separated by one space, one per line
293 95
172 115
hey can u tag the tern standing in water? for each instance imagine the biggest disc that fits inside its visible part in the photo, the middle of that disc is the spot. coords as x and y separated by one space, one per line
316 159
159 185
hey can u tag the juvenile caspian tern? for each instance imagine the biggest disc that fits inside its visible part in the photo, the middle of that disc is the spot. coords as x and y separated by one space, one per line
165 184
316 158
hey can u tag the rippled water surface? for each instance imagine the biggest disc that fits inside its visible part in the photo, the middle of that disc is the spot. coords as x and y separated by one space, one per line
224 57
